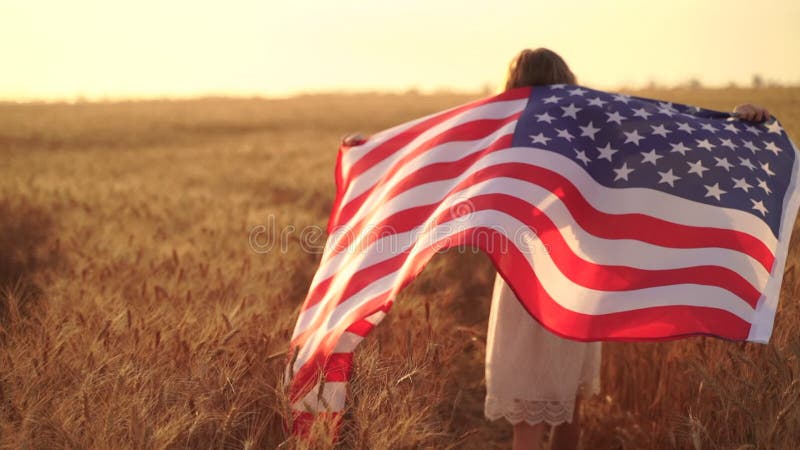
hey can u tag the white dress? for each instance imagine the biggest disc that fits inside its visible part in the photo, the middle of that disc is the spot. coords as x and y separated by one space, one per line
532 374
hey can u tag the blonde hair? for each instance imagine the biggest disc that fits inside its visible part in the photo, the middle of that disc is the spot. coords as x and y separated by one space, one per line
538 67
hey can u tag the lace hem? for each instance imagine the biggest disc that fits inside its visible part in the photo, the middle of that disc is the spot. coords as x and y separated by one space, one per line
531 411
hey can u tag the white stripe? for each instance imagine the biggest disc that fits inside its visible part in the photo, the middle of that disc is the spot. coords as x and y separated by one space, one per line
333 395
568 294
495 110
614 201
347 343
765 312
376 317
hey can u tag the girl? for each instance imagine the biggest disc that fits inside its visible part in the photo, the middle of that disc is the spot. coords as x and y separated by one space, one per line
534 377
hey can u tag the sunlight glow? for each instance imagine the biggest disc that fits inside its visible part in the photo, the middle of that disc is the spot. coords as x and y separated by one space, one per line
101 49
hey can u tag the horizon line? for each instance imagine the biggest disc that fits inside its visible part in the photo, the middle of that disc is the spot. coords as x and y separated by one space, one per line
486 90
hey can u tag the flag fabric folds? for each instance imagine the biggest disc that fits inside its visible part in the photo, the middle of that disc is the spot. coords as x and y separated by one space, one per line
611 217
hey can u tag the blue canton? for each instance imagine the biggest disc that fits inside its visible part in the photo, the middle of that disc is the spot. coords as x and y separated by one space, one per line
698 154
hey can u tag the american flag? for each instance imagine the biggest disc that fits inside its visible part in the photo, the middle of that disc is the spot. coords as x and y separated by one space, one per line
611 217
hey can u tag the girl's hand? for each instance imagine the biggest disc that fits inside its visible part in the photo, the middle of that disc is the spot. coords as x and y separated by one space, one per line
751 113
351 140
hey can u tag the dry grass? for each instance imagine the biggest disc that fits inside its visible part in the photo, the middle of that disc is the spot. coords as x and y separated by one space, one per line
134 313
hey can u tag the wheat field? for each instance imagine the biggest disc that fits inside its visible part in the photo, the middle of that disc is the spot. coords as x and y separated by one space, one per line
136 311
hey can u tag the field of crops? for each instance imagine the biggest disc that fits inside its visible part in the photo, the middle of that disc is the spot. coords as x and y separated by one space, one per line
138 311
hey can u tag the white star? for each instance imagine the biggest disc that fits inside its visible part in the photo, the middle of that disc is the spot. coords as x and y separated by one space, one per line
705 144
685 127
680 148
539 139
742 184
660 130
773 148
746 163
753 129
577 91
606 152
732 128
668 177
622 98
774 127
558 86
641 112
697 168
597 102
633 136
622 172
544 117
582 157
766 169
666 108
728 143
708 127
571 111
615 117
565 134
552 99
723 162
714 191
651 157
763 185
589 130
759 206
749 145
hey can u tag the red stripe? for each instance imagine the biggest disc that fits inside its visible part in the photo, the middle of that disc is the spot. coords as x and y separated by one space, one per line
338 367
337 173
361 327
657 323
301 423
603 225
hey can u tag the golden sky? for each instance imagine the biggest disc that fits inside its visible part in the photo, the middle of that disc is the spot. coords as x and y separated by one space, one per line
107 48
